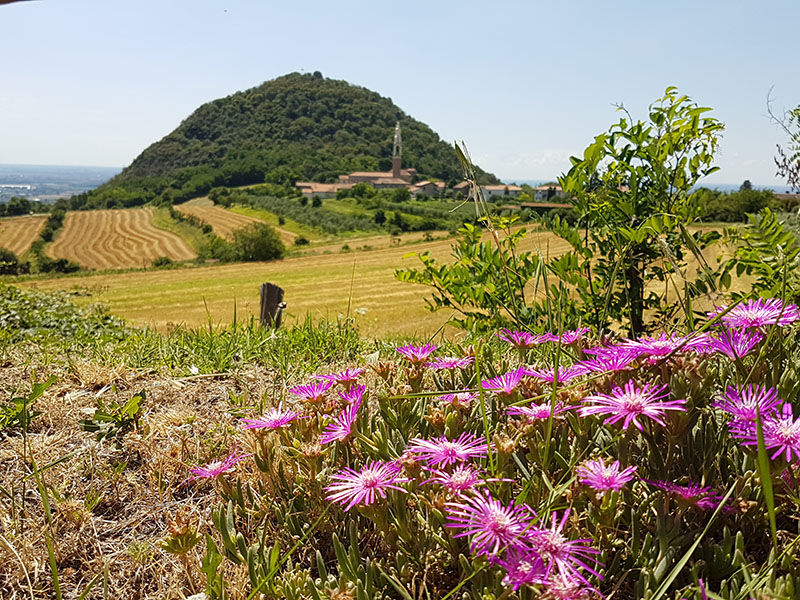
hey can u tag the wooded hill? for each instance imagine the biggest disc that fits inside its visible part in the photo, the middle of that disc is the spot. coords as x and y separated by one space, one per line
299 126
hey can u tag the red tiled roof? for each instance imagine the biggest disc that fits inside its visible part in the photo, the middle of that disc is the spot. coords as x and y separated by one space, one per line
502 188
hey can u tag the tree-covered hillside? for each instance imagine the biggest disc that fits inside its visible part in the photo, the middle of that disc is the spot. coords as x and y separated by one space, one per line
299 126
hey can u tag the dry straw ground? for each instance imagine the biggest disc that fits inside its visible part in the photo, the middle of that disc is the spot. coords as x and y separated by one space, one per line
18 233
224 222
116 239
112 505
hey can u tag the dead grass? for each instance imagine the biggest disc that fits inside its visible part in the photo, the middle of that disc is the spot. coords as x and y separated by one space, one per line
112 506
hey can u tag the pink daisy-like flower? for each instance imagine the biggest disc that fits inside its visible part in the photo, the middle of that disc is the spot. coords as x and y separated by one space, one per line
735 343
569 337
664 344
342 426
450 362
617 359
559 588
417 354
521 339
363 487
630 403
216 468
564 373
505 383
346 377
742 404
538 412
354 394
702 497
311 392
781 434
523 568
568 557
446 452
463 478
274 419
459 399
602 477
759 313
494 526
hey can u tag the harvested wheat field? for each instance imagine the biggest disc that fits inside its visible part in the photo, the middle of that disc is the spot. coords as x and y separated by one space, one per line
116 239
224 222
18 233
324 285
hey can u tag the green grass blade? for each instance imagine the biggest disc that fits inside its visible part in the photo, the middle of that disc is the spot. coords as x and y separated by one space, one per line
765 476
678 568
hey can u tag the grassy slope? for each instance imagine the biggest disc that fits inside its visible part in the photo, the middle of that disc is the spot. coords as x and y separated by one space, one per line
189 233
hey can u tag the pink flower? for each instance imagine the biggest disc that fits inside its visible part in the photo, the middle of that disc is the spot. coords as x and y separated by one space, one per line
450 362
702 497
742 404
341 428
568 557
446 452
363 487
354 394
664 344
602 477
506 383
347 377
417 354
521 339
629 404
274 419
564 373
560 588
538 412
459 399
463 478
216 468
523 568
781 434
736 343
759 313
616 358
494 527
569 337
311 392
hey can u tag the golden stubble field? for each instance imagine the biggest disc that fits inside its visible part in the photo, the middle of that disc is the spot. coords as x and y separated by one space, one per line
322 285
18 233
116 239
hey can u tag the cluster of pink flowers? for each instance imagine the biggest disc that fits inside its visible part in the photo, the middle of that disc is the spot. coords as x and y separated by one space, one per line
539 550
507 534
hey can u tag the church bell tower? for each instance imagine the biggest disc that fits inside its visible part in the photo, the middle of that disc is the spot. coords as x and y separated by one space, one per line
397 152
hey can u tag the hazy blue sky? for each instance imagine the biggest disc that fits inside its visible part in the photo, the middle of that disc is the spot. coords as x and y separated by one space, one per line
525 84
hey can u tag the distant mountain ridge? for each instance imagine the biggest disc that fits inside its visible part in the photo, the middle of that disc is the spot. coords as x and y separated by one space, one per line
298 126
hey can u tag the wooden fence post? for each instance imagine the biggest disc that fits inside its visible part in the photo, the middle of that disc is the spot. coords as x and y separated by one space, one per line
272 305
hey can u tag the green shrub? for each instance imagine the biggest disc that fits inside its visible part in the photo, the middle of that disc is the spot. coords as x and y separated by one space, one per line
162 261
10 264
257 242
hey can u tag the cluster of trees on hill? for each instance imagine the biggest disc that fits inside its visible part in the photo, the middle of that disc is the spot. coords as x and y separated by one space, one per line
295 127
733 207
